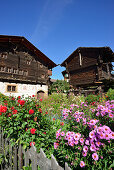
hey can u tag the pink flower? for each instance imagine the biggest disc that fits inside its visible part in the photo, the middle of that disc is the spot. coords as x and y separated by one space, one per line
107 136
77 136
92 147
111 115
112 135
62 134
92 134
56 145
92 122
98 143
85 148
87 142
81 140
84 154
106 129
95 156
76 142
82 164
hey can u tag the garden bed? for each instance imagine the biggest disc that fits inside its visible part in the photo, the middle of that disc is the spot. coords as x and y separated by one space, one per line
74 131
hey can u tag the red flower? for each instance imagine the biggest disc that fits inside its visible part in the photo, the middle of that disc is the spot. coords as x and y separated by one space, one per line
53 118
44 133
32 131
14 112
40 100
19 101
40 110
3 109
31 111
22 102
9 114
62 123
31 143
46 113
19 97
26 129
13 98
32 95
12 108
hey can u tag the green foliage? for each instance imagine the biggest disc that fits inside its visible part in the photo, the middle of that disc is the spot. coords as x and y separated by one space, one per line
60 86
92 98
49 117
110 94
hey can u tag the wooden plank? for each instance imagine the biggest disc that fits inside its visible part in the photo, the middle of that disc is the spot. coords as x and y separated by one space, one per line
54 164
10 157
67 167
20 157
15 157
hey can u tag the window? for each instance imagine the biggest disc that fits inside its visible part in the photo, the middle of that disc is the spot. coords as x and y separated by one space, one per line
3 55
28 62
15 71
9 70
21 72
11 88
25 73
2 69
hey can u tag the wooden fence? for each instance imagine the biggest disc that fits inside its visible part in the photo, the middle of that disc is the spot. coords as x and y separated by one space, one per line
15 158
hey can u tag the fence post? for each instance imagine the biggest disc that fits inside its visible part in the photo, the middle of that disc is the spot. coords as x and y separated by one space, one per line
54 164
20 157
66 167
10 157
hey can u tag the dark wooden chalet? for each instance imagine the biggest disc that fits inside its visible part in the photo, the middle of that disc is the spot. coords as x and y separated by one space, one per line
21 62
89 66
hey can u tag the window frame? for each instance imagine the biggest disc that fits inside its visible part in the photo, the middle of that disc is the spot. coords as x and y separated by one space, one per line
11 86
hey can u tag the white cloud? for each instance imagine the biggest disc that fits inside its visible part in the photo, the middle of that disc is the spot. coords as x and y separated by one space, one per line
50 16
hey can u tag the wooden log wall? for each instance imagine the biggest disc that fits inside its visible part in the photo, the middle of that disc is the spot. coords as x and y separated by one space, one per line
81 77
24 65
88 59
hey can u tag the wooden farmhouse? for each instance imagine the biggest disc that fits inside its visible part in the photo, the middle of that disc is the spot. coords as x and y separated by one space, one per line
24 70
89 67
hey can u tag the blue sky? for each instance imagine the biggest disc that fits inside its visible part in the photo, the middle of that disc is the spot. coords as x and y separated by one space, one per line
58 27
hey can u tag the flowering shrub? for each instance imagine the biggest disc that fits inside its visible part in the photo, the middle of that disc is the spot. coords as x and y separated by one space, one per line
24 122
79 134
86 142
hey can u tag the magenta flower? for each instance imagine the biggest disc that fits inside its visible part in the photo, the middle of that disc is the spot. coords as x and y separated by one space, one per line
84 154
81 140
107 136
111 115
92 134
76 142
112 135
95 156
56 145
77 136
62 133
93 148
82 164
87 142
106 129
85 148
